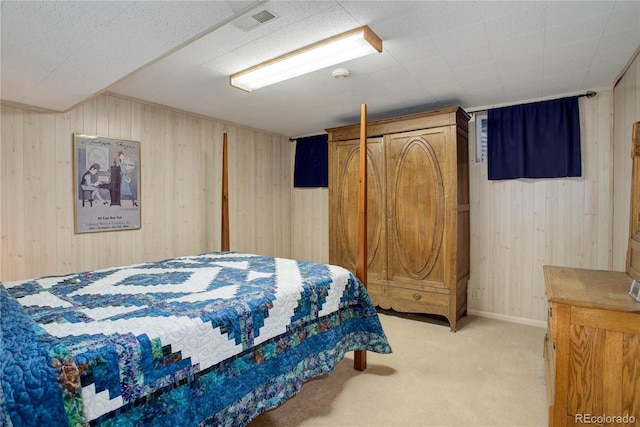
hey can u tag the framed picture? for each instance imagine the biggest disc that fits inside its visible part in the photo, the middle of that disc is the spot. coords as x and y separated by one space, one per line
107 184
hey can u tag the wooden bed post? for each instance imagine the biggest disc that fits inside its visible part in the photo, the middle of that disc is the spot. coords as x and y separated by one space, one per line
224 244
360 362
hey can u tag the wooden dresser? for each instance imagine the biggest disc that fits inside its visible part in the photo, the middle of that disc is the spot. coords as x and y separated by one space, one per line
417 213
592 348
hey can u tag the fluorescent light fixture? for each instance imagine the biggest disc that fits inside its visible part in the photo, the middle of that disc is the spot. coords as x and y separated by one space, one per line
334 50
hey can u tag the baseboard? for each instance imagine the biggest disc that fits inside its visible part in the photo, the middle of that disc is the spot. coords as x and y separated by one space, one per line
506 318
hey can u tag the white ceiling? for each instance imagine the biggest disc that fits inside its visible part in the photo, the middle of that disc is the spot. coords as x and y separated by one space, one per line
436 54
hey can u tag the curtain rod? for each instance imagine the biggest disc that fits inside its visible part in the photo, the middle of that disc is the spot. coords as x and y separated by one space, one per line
588 94
291 139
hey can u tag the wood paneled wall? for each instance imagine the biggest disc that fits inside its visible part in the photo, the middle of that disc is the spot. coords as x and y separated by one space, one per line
310 223
180 195
517 226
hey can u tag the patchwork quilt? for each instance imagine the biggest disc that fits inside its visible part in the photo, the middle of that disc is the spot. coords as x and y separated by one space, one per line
214 339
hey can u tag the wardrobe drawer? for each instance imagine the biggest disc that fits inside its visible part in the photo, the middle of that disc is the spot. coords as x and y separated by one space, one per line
419 301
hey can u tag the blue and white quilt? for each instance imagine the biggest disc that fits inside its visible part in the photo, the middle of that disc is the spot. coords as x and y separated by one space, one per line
214 339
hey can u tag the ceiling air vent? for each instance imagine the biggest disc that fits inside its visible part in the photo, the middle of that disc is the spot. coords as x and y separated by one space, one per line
248 23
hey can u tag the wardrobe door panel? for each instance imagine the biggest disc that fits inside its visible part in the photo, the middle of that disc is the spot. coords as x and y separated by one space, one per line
416 199
343 206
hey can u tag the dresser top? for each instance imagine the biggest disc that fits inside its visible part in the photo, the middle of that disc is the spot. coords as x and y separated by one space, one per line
603 289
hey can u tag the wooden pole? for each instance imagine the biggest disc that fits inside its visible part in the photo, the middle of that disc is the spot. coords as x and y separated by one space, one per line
360 362
224 244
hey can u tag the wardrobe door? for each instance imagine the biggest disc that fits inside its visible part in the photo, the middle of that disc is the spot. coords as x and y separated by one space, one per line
343 205
416 174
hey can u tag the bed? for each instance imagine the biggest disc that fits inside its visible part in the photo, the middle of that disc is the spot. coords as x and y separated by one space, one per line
214 339
208 340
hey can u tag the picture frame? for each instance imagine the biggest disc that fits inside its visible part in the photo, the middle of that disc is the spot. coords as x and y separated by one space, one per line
107 184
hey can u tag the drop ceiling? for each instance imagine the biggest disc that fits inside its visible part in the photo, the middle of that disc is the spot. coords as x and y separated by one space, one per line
436 54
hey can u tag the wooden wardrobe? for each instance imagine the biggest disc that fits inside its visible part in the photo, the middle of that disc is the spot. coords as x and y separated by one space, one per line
417 214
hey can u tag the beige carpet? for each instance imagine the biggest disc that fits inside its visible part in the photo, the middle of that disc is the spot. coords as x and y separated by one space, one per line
489 373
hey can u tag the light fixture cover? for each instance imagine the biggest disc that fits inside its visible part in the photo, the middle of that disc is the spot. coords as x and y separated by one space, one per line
334 50
340 73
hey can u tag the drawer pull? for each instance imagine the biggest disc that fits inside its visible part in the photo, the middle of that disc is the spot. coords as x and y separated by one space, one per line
417 297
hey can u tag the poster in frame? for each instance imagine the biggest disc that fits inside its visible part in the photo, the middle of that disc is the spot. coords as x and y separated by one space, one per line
107 184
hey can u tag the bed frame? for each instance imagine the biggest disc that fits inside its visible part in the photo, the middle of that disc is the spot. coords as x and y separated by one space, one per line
156 342
360 362
360 356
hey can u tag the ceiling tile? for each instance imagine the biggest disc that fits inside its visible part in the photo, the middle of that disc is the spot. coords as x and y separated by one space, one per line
436 53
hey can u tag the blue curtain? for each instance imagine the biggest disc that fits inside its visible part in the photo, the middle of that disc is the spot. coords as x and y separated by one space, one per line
536 140
311 168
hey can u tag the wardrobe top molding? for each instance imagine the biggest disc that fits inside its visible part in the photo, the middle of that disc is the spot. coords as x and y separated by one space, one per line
426 120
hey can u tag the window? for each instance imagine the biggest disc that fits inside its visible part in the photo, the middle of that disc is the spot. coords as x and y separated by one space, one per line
534 140
481 137
311 168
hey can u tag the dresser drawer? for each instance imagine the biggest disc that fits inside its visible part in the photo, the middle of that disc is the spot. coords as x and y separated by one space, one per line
549 353
552 331
550 367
